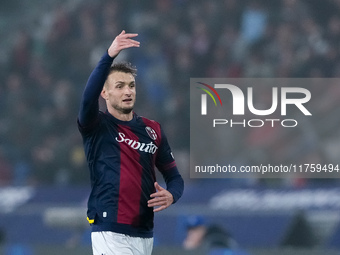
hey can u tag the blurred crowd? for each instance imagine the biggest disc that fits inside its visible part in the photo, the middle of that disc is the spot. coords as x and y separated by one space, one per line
50 57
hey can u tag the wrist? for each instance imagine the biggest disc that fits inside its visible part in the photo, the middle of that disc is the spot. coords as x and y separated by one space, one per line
111 54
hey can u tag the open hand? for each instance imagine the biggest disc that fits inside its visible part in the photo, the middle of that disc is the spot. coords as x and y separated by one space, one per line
122 41
161 198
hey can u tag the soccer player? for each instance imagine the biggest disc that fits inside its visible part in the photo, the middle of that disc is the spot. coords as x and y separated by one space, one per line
122 150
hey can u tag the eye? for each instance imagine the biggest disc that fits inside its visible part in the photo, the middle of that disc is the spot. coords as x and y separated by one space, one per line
132 85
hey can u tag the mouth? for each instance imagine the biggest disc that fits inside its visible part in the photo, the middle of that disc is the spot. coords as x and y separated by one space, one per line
128 100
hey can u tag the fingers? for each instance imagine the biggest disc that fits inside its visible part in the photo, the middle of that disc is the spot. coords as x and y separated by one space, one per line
160 208
161 202
127 43
123 32
122 41
125 39
123 35
158 198
127 35
158 187
162 198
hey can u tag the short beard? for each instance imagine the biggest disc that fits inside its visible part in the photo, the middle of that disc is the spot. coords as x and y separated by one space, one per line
123 110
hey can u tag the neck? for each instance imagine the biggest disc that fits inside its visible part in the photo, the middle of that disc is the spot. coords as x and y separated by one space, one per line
120 115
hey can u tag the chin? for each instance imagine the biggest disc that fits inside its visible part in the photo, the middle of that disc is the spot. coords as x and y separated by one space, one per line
127 110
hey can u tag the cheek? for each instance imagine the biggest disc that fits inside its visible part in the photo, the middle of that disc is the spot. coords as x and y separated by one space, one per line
114 94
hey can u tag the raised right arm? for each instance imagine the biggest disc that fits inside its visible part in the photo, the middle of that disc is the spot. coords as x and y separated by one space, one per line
89 107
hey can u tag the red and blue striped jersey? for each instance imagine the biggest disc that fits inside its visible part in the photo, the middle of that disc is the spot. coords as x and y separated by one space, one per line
122 156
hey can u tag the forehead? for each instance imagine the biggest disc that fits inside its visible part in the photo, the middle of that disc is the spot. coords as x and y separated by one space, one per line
116 76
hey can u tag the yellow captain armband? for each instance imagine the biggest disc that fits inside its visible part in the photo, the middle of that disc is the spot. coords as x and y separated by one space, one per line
90 221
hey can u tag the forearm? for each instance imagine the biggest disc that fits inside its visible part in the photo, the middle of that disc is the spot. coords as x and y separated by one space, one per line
174 183
89 104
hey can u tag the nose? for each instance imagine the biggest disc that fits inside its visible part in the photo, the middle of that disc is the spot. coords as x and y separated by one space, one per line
127 90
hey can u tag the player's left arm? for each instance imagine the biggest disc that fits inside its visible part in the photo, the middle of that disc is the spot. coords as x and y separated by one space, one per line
166 164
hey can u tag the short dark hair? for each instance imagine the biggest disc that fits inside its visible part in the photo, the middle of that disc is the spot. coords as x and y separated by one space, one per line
125 67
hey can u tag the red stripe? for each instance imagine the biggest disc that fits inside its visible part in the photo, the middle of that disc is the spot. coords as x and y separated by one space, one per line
170 165
130 187
214 90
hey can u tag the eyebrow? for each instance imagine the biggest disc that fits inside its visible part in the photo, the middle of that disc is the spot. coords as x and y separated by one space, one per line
122 82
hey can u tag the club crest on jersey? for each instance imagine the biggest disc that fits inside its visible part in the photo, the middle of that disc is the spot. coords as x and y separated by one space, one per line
151 133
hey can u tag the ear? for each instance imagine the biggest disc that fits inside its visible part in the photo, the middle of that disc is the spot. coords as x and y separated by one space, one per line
103 94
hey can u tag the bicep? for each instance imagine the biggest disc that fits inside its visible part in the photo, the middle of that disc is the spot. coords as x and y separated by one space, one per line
88 113
89 106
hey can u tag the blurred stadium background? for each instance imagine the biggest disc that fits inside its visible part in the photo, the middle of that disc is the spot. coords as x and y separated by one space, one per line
48 49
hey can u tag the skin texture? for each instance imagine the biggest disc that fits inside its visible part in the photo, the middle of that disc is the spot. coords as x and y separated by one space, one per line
162 198
120 94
